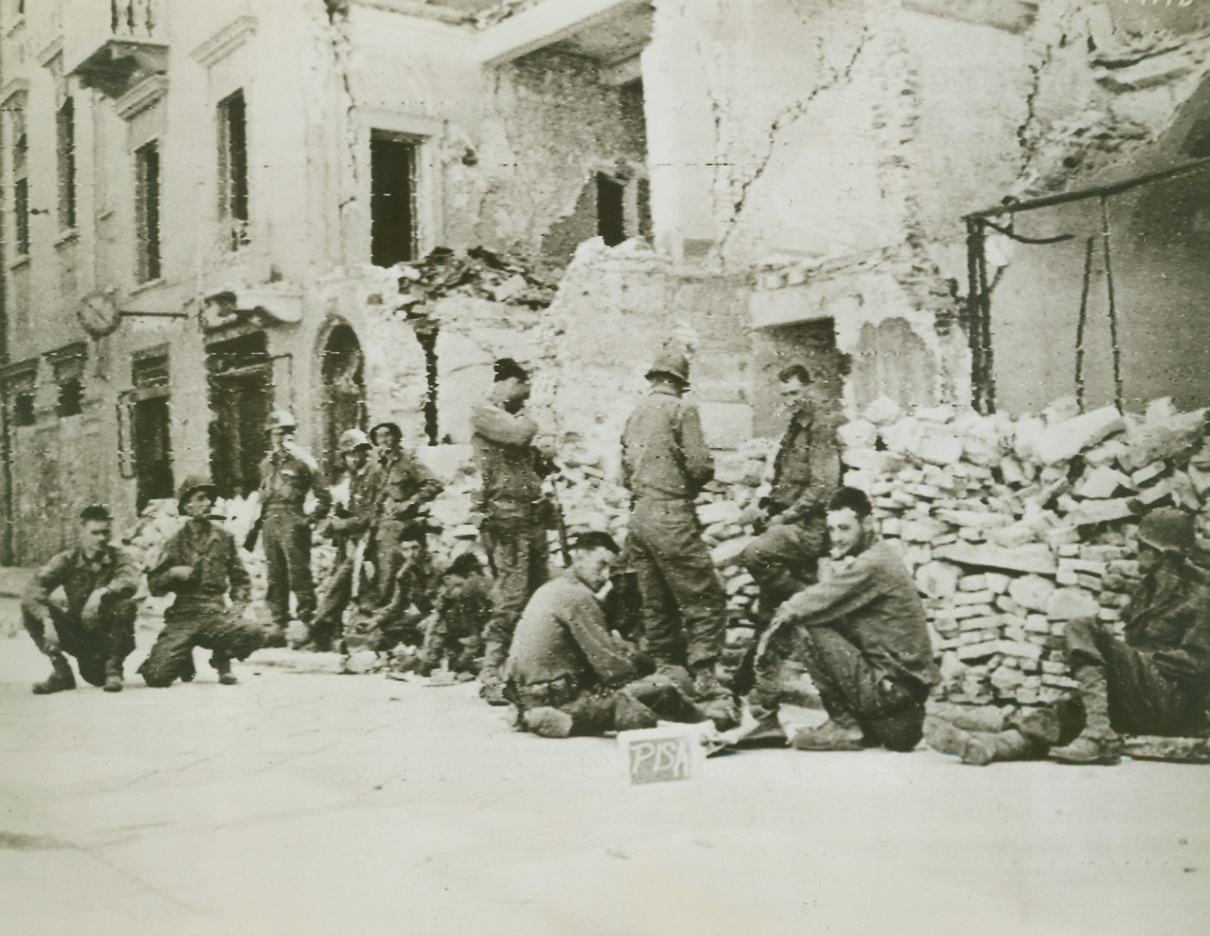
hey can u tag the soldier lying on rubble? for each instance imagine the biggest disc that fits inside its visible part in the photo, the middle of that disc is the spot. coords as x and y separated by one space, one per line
567 675
1156 681
97 625
461 609
860 632
201 565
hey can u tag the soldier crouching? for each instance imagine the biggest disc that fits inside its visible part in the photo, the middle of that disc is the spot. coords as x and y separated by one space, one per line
97 625
201 565
461 609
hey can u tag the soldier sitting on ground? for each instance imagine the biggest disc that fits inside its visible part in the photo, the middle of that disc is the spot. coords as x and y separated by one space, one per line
860 632
202 566
1155 682
97 625
567 675
461 610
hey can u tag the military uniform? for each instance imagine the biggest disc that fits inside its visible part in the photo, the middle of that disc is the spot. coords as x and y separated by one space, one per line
665 464
398 546
860 632
287 476
350 529
806 471
461 609
199 616
1154 682
562 657
99 650
513 529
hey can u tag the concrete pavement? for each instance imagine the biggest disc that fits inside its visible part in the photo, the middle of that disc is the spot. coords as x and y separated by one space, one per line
311 803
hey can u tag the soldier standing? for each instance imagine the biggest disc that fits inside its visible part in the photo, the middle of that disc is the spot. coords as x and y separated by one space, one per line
202 566
97 626
403 487
513 526
665 465
287 475
349 526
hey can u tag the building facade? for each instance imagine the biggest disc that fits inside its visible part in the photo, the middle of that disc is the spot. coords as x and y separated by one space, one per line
203 203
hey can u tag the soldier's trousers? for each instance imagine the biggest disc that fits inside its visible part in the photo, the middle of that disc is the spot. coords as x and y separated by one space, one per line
890 710
519 555
595 710
453 629
338 592
111 640
197 623
783 560
684 603
1142 699
286 537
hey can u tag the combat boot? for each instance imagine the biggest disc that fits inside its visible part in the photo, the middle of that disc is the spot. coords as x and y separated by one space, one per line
222 666
1098 743
275 636
714 699
491 682
113 676
841 733
547 722
60 679
978 748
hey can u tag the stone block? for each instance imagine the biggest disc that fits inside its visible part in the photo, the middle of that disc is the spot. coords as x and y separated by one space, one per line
1020 649
938 579
719 512
1101 482
1071 604
1033 557
1031 592
971 583
1148 473
998 581
1103 511
979 651
726 553
963 598
921 530
1066 439
937 447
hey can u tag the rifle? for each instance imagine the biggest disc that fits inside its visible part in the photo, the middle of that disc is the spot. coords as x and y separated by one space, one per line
254 533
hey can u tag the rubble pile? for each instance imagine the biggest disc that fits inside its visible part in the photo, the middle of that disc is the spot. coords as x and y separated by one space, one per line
1012 528
479 272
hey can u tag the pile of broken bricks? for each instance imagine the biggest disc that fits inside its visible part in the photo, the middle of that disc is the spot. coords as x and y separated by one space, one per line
1012 528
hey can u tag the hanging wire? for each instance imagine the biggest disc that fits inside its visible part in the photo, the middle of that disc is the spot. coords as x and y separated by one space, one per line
1113 311
1082 321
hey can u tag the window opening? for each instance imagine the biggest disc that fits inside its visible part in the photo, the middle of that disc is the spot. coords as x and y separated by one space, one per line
611 210
233 168
393 231
65 123
147 176
21 190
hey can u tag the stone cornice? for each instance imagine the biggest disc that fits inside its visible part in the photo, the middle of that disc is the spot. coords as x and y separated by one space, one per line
145 94
225 41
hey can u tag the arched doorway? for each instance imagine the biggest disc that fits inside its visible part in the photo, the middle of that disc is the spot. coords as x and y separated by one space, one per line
342 370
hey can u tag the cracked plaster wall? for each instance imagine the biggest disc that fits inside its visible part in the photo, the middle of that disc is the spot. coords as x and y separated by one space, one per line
840 144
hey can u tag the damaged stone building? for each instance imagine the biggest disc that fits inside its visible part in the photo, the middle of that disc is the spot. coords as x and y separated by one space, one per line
206 208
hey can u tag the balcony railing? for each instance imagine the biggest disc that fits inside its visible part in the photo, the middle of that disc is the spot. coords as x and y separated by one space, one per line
114 46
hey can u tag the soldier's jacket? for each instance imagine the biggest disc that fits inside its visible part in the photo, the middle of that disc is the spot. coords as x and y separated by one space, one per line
401 479
113 568
355 518
664 454
1169 617
872 600
806 469
287 476
562 633
217 566
465 597
509 465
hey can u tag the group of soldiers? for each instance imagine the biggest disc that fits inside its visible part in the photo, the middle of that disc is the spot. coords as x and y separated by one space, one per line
834 597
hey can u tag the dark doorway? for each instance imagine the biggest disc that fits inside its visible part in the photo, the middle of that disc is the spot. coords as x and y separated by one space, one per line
611 210
241 396
150 422
393 235
344 402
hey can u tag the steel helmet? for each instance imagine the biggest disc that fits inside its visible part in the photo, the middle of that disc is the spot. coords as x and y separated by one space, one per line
190 486
1168 530
351 440
671 364
282 419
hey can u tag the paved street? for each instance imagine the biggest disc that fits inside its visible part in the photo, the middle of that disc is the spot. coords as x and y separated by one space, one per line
308 802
